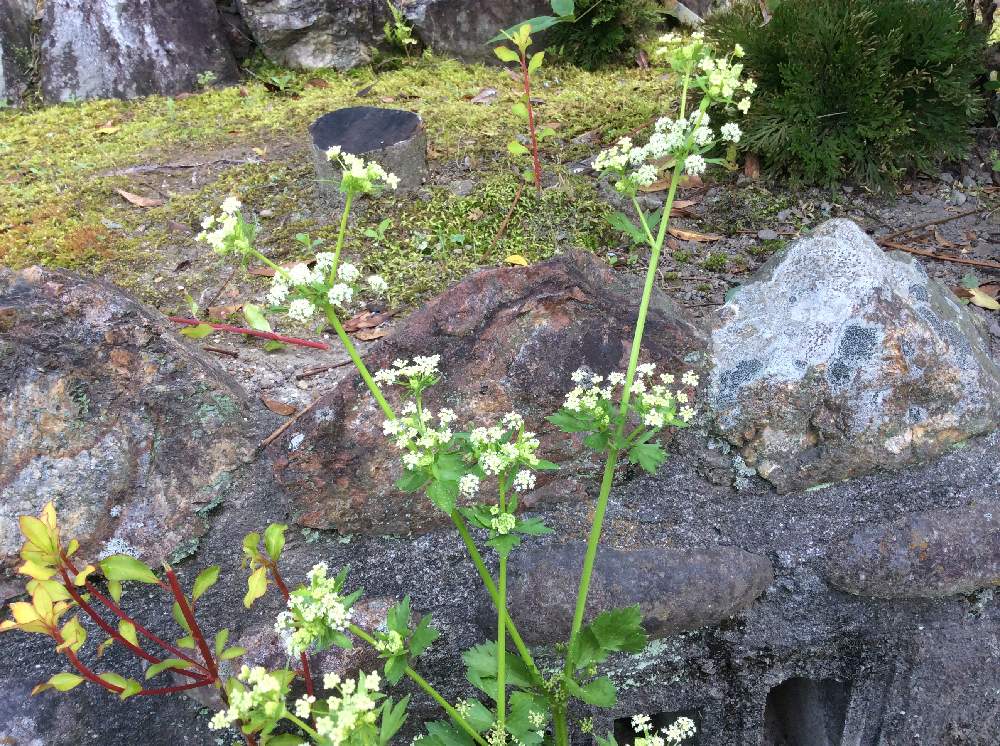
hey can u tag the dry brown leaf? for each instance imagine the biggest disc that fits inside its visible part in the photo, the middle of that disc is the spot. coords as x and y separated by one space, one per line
138 200
367 335
367 320
317 83
686 235
387 100
485 96
221 312
279 407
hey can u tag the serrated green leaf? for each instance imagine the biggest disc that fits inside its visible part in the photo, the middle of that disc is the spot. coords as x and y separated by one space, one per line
272 345
169 663
650 456
423 635
479 716
392 718
520 110
532 527
524 708
221 638
412 480
616 630
121 567
444 494
570 422
285 739
562 8
256 586
205 580
398 618
395 668
197 332
233 652
599 692
274 540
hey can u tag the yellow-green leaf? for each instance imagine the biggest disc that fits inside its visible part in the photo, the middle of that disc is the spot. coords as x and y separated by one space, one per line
62 682
274 540
36 571
127 630
520 110
186 642
255 317
506 54
233 652
123 567
36 532
256 586
535 62
197 332
517 259
978 298
516 148
171 663
205 580
74 635
221 638
81 577
115 589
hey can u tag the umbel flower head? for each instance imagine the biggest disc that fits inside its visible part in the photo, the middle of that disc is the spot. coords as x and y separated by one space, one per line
317 614
307 289
672 735
228 233
359 176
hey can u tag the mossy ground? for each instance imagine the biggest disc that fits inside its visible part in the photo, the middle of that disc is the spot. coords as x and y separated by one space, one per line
60 167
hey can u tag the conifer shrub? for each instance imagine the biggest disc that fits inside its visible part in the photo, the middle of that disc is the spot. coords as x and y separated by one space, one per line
605 32
856 89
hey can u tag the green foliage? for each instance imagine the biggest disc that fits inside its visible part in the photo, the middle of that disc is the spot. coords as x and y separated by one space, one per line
862 89
605 31
398 32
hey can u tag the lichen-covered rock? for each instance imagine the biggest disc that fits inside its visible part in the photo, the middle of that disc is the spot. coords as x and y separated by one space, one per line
119 49
462 28
677 589
15 49
310 34
839 359
921 555
108 413
509 339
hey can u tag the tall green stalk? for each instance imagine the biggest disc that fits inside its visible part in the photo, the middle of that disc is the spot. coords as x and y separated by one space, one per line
502 629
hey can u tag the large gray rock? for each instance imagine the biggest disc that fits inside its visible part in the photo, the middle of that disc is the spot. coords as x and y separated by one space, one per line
838 359
108 413
130 48
463 28
677 590
921 555
310 34
15 49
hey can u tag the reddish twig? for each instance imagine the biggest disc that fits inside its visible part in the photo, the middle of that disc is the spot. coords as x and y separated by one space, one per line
506 221
252 333
931 255
220 351
280 582
536 165
93 678
196 633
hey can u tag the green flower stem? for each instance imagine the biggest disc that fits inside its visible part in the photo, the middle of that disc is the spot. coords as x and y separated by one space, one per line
502 628
560 726
304 726
609 468
491 588
331 316
348 201
430 690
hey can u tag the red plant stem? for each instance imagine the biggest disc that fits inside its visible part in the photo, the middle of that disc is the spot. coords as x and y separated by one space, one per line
531 123
253 333
280 582
117 611
95 679
196 632
99 620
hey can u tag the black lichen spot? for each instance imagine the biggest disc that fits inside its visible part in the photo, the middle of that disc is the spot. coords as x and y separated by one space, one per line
731 380
839 372
858 343
919 293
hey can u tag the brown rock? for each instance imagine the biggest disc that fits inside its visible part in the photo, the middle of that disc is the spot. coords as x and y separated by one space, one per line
509 340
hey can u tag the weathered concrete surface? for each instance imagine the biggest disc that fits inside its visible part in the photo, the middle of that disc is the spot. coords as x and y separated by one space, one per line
509 339
107 412
130 48
838 359
677 590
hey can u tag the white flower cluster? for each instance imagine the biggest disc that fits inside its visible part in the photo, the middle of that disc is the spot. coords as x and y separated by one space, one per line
360 176
499 448
680 730
416 375
313 611
414 432
352 707
655 403
264 694
315 286
228 232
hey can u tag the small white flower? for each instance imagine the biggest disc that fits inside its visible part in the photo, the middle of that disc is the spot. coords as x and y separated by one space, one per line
331 680
348 272
640 723
686 413
303 706
300 274
524 481
301 310
208 222
694 165
690 378
377 284
469 485
731 132
332 152
278 293
392 180
738 51
230 205
324 260
744 105
340 294
749 85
